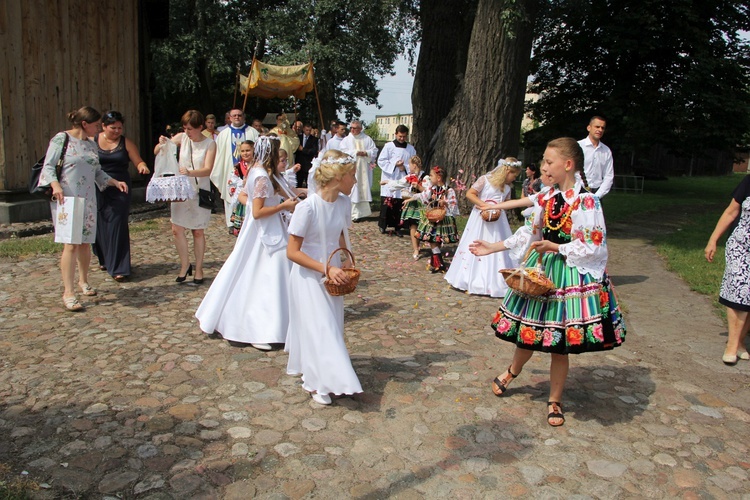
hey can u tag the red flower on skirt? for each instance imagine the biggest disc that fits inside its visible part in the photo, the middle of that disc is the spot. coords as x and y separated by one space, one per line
603 298
574 335
528 335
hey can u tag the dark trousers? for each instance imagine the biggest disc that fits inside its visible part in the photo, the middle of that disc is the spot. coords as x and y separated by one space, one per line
390 212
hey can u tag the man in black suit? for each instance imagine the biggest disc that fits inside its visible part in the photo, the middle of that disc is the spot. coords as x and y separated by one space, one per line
308 149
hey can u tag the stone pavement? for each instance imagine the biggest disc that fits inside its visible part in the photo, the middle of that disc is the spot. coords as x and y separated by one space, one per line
129 400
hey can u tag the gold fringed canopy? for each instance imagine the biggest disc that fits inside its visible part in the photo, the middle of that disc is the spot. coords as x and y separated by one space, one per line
268 81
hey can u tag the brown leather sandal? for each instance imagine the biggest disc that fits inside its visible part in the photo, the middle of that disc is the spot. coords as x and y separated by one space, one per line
557 413
499 387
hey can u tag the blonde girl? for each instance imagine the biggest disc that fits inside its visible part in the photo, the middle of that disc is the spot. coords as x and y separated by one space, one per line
315 341
468 272
566 228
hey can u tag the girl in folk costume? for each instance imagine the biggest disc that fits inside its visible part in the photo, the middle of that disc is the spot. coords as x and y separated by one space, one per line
479 275
236 183
315 342
418 182
443 231
566 227
248 300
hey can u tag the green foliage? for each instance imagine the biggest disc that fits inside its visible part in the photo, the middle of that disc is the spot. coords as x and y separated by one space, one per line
351 45
373 131
670 73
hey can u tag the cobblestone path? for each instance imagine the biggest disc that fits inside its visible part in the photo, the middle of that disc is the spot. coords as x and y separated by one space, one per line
129 400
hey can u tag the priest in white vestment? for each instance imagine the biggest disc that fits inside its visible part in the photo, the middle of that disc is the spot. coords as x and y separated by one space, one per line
228 155
363 148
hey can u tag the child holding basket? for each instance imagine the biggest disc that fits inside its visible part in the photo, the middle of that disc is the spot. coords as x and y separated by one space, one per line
438 230
315 339
566 229
478 275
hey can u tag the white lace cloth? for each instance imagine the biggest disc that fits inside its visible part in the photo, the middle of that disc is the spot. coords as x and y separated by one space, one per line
176 188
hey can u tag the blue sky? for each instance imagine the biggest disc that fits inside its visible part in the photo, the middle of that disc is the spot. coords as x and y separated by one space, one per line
395 93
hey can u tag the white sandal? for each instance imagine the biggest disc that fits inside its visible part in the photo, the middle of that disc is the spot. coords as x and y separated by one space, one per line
72 304
87 290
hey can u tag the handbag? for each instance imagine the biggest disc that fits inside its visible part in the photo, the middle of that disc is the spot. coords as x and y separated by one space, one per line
36 172
205 196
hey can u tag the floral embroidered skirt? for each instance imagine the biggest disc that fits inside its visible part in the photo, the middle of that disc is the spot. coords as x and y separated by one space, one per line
412 212
582 315
444 231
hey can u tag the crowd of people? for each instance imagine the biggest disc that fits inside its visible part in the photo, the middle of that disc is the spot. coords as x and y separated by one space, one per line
290 196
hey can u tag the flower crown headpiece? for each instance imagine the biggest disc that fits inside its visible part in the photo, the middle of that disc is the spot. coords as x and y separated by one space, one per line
438 170
506 163
344 160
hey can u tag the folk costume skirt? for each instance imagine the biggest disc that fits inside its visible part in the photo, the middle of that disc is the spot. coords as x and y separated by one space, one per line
444 231
581 315
411 213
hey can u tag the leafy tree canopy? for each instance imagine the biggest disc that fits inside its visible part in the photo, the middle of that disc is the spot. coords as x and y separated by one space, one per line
351 44
670 73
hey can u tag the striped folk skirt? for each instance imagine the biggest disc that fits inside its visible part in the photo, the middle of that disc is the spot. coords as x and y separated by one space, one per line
581 315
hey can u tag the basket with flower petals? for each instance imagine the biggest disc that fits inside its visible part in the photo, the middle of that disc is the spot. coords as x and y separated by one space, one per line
528 280
491 214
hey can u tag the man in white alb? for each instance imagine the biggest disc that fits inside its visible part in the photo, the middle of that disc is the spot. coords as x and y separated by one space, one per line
394 163
597 158
360 146
228 154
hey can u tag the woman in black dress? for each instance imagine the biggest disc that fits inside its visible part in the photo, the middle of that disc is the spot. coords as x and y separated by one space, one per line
112 246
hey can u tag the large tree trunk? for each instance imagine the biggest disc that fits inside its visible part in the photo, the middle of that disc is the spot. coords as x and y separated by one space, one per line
446 32
484 123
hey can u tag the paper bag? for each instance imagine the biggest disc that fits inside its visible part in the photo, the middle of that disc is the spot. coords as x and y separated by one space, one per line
69 220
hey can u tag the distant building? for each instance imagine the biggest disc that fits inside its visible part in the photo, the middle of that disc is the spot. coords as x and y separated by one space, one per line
387 125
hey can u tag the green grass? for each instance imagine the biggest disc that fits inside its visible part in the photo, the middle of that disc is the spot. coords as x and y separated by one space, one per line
693 205
18 248
33 245
659 196
144 226
683 250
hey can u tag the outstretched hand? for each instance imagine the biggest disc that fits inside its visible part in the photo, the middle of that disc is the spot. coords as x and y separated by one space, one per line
480 247
544 246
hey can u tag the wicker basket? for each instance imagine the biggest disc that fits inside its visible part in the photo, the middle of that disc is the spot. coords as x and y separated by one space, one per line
491 214
351 272
435 213
528 281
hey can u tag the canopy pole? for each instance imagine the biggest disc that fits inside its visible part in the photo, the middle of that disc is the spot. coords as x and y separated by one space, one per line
317 99
247 92
236 86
